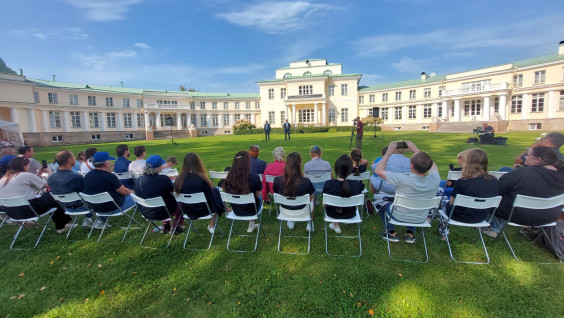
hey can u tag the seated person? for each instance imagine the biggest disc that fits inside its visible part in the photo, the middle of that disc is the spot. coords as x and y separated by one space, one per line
449 184
398 163
486 128
27 151
122 164
87 165
80 158
416 184
257 165
359 164
4 163
543 177
317 166
293 184
553 140
137 166
343 188
171 162
275 168
193 178
383 152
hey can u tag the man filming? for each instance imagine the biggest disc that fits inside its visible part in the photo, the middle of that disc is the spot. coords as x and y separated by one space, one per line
359 132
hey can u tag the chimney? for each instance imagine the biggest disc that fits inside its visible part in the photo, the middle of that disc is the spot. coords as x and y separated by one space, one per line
121 84
21 71
54 77
424 76
561 48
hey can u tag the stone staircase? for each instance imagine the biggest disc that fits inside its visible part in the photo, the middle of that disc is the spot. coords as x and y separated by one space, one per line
467 127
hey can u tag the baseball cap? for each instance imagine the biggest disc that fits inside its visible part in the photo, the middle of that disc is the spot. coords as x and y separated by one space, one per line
102 156
6 159
155 161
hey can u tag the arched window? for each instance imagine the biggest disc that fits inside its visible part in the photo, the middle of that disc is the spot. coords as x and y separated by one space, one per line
287 75
327 72
307 73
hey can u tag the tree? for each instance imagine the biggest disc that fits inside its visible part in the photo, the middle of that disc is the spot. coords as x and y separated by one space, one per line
192 90
182 88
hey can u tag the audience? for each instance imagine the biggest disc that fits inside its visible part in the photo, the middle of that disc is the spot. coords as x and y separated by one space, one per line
397 163
359 164
171 161
275 168
80 158
240 180
4 164
553 140
257 165
138 166
27 151
122 164
317 166
87 165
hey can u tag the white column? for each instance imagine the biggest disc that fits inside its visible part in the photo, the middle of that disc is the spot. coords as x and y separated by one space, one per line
419 113
44 121
102 120
198 122
253 119
188 119
435 110
158 120
551 105
286 109
32 122
404 114
444 105
84 121
220 120
134 122
179 120
147 121
119 119
66 125
526 106
13 115
315 121
231 120
502 106
293 114
208 117
323 113
487 110
456 106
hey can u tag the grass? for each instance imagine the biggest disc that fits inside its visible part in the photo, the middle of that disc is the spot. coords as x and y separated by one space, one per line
82 277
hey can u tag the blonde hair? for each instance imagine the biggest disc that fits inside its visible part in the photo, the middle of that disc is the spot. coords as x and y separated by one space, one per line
476 165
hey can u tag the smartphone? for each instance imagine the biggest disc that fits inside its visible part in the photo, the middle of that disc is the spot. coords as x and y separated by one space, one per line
401 145
44 164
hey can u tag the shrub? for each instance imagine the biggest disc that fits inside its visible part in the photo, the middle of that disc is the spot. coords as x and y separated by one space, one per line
242 124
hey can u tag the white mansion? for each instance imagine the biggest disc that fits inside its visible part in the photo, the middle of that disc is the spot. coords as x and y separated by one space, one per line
522 95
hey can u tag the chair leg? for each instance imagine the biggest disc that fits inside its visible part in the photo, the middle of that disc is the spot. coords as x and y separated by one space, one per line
360 240
508 244
187 233
72 226
467 262
3 221
145 234
230 232
16 237
280 236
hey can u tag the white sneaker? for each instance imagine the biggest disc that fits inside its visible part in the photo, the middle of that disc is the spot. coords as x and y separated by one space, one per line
310 228
67 227
87 223
252 227
211 229
335 228
290 225
98 225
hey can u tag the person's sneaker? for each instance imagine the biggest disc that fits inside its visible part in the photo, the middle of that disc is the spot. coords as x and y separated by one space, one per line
87 223
211 229
489 233
409 238
310 228
391 237
252 227
165 228
290 225
67 227
99 224
335 228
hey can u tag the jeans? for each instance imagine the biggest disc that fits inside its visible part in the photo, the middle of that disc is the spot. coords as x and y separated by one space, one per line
390 227
497 224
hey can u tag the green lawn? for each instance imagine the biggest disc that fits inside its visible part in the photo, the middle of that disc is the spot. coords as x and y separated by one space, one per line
87 278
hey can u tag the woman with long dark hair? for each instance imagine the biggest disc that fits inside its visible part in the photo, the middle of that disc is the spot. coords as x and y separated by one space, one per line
239 180
359 163
343 188
193 178
87 164
293 184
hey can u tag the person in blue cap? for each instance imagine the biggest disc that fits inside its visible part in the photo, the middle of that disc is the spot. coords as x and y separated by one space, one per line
4 164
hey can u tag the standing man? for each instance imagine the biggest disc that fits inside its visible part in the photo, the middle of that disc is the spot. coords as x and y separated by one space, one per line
359 132
122 164
27 151
267 130
287 127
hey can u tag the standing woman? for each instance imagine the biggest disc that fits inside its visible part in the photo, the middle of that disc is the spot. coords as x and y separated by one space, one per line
193 178
359 164
343 188
241 181
293 184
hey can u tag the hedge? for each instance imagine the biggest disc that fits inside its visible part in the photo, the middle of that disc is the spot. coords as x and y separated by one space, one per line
301 130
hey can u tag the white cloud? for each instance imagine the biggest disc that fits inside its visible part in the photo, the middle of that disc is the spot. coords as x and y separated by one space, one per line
299 50
276 17
55 33
104 10
122 54
408 65
142 45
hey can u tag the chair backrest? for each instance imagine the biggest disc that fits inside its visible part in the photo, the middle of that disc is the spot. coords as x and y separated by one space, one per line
476 203
238 198
333 200
191 198
301 200
14 202
362 176
155 202
67 197
97 198
136 175
123 175
497 174
417 204
260 176
454 175
218 174
170 172
524 201
319 178
270 178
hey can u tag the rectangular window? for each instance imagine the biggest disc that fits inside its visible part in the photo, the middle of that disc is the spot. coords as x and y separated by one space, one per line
248 117
540 77
561 105
111 120
427 92
535 126
271 93
344 89
128 136
126 103
305 115
371 98
141 120
412 94
440 112
168 120
412 112
214 105
344 115
441 89
305 90
73 99
226 105
518 80
55 119
202 105
139 103
237 105
427 111
477 86
167 103
93 120
247 105
384 114
257 105
36 97
398 95
237 117
127 121
272 118
496 104
397 113
96 137
361 99
193 119
282 116
282 93
215 120
57 138
184 120
226 120
109 102
75 119
537 102
91 100
331 90
516 104
53 98
331 115
384 97
472 107
203 120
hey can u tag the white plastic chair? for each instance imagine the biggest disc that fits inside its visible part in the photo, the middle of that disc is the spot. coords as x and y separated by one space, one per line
65 199
497 174
364 178
321 178
123 175
22 205
270 179
528 202
474 203
156 202
135 175
218 175
336 201
197 198
242 199
454 175
420 208
105 197
171 173
301 215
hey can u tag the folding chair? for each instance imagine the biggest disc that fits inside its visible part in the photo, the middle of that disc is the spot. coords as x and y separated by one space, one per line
197 198
301 215
123 175
171 173
528 202
497 174
419 206
135 175
23 206
364 178
71 197
218 175
474 203
156 202
270 179
322 178
105 197
242 199
354 201
454 175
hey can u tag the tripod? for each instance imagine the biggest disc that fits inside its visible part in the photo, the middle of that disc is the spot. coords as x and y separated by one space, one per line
172 142
375 137
352 134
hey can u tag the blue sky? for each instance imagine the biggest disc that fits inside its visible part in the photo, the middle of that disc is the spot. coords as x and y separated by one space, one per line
228 45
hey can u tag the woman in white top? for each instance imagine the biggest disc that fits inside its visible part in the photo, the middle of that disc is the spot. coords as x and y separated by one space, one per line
19 182
87 165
